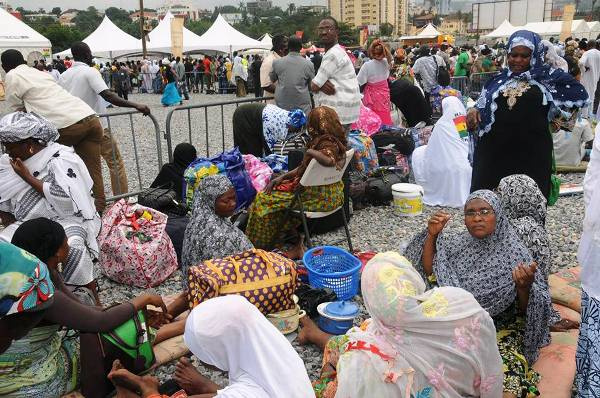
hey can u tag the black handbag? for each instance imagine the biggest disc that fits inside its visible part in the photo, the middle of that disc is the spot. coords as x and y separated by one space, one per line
162 199
379 186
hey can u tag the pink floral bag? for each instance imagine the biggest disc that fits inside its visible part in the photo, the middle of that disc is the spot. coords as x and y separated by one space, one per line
260 173
134 247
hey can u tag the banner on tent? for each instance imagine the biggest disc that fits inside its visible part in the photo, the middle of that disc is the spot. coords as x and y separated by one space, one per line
177 37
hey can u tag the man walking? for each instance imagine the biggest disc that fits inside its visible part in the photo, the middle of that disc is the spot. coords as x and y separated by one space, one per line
590 74
180 75
293 74
86 83
280 45
76 122
335 84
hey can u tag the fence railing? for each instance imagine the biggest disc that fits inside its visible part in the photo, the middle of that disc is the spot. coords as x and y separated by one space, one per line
117 164
226 141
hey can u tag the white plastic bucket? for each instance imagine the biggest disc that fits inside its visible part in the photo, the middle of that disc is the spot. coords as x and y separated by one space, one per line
408 199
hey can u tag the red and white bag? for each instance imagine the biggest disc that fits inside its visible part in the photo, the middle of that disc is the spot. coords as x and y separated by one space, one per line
126 254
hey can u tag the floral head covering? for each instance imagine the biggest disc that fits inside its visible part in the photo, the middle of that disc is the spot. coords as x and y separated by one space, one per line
25 283
418 343
559 88
19 126
484 268
324 120
296 118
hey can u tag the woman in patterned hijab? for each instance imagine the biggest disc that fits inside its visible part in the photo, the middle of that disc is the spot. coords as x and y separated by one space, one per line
489 260
210 234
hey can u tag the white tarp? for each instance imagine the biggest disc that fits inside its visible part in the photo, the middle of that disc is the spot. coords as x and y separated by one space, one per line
223 37
160 37
504 30
108 41
16 34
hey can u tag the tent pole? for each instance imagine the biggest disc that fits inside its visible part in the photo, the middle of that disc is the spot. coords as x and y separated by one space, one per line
142 32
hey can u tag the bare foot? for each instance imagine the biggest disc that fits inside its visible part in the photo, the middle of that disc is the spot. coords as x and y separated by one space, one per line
309 331
121 377
123 389
190 379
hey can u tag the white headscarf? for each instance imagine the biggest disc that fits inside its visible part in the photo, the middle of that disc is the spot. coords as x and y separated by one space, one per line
443 168
230 333
589 246
238 68
438 343
552 57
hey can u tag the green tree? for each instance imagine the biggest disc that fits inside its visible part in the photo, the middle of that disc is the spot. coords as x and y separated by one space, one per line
56 11
87 21
348 35
198 27
118 15
386 29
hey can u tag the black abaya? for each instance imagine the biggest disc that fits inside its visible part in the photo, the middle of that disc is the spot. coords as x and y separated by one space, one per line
519 142
248 129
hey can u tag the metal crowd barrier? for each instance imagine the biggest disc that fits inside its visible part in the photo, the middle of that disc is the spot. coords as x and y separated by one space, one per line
141 147
169 129
460 83
477 81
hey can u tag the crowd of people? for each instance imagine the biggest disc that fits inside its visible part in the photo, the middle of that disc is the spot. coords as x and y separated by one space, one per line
463 311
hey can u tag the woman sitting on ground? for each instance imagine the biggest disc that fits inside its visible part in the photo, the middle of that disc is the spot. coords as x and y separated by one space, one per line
258 127
441 91
442 166
231 334
269 212
40 178
36 360
489 260
171 174
418 343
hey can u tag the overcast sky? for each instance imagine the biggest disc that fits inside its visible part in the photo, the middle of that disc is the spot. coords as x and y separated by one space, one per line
134 4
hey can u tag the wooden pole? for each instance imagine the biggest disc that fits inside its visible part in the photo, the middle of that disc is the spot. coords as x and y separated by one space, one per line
143 32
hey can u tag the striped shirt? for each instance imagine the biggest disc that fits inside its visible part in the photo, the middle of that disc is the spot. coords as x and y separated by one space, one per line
338 69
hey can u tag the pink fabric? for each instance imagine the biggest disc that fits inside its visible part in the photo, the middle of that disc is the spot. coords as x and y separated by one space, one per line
129 260
376 97
260 173
368 121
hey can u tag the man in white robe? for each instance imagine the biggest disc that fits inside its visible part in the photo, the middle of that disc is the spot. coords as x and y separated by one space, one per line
590 73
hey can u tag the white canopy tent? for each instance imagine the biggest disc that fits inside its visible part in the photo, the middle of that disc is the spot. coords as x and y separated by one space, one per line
504 30
108 41
267 39
159 39
579 28
223 37
428 32
17 35
594 29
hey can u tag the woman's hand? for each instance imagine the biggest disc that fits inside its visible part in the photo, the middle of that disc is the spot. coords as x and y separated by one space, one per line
7 218
524 276
140 302
437 222
273 183
473 119
20 168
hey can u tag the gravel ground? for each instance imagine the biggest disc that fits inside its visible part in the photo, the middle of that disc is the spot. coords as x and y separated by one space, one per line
373 228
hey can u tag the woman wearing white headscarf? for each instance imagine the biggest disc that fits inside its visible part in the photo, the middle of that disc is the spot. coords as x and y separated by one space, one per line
553 59
231 334
435 343
588 350
442 166
146 76
240 75
40 178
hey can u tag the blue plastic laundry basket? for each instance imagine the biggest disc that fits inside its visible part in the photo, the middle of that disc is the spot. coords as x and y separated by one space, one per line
334 268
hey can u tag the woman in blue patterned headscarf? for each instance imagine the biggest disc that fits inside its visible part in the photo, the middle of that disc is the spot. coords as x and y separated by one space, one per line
511 119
